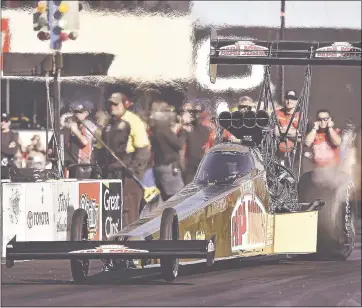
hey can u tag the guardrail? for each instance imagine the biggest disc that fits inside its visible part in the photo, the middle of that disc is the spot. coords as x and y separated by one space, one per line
42 211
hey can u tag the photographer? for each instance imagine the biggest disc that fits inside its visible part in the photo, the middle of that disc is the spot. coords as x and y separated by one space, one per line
78 142
194 137
166 146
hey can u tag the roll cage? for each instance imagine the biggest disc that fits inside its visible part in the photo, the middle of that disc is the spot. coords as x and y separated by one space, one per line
282 173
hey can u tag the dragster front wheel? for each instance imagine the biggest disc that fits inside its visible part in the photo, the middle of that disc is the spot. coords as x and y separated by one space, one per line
79 232
169 230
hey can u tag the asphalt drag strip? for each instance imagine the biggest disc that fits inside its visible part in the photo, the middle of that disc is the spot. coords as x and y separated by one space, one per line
229 283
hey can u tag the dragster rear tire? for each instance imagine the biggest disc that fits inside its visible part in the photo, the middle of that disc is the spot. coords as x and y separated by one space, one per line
334 242
79 232
169 230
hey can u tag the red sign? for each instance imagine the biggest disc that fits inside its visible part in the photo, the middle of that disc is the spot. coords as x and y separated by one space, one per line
5 37
89 199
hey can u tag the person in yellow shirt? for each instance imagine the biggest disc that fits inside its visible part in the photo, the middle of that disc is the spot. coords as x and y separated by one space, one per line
126 135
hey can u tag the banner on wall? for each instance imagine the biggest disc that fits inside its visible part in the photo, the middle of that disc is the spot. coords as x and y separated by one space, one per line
112 208
65 203
39 211
89 199
13 213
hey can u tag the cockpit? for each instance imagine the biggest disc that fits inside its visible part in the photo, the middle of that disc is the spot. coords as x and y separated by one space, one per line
224 167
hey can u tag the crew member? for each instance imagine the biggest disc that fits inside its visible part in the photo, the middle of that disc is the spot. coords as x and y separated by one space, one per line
127 137
324 139
284 116
166 146
245 103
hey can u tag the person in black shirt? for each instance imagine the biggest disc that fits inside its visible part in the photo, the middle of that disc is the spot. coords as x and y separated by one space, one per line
10 145
194 137
166 146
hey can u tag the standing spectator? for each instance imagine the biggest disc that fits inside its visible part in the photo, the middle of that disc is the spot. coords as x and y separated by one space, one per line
284 116
195 137
166 146
10 146
35 154
324 139
246 103
126 135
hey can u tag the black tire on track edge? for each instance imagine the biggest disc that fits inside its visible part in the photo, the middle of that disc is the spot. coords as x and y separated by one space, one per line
169 230
79 232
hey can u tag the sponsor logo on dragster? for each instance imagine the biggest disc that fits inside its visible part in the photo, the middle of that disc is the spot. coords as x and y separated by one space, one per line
210 246
248 224
200 235
187 236
245 49
110 249
37 219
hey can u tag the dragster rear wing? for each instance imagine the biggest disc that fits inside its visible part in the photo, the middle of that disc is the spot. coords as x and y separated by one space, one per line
250 52
155 249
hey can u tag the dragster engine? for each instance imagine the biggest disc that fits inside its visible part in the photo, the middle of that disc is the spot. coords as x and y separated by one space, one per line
247 126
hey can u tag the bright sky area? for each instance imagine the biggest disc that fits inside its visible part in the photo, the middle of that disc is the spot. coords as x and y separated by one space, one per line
325 14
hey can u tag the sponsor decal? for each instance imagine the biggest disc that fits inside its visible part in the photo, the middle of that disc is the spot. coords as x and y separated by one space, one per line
14 208
89 200
210 246
112 210
37 219
4 161
42 195
247 187
216 207
200 235
63 202
110 249
248 81
248 224
187 236
337 50
244 49
64 221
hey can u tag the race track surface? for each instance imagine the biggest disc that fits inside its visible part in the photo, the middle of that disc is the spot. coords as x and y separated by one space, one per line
230 283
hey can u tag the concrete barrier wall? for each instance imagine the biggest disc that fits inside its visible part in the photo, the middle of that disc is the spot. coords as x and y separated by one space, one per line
42 211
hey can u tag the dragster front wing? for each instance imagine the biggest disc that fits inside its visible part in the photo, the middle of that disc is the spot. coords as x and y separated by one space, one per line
153 249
